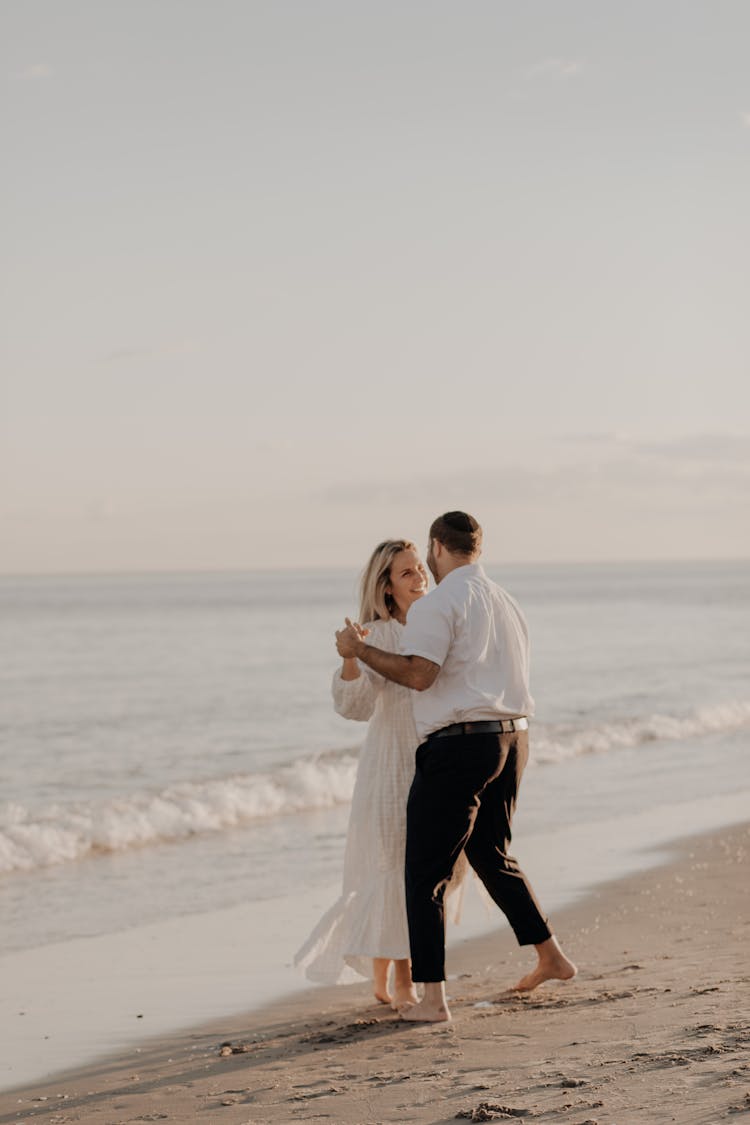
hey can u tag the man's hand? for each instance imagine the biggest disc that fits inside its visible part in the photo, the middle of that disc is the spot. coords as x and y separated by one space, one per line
350 639
415 672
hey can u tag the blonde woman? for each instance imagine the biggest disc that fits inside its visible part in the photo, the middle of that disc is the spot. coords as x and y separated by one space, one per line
365 931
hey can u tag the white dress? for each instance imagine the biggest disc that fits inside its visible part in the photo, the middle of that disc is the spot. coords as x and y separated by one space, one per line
369 918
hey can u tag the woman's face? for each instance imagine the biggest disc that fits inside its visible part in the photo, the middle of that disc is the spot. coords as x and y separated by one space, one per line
408 579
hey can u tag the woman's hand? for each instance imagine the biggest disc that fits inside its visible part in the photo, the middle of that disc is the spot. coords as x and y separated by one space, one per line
349 639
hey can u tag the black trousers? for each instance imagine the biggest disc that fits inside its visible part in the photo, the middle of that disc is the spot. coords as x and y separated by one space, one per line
463 798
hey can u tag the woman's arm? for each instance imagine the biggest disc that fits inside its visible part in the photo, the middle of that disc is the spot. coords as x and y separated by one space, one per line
350 669
355 690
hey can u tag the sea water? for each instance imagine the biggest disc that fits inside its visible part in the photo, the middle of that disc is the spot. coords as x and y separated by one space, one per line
171 762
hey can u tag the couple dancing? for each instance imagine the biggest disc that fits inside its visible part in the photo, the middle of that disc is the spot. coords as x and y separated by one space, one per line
445 674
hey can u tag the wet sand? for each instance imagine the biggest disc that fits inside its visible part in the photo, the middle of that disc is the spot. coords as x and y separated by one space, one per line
656 1028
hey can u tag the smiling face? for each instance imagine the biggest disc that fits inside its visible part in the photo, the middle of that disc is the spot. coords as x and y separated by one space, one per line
408 580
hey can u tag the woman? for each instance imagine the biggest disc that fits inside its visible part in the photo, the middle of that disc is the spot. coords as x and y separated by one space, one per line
366 929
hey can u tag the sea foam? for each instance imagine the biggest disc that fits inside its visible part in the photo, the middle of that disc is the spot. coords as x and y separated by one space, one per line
60 834
554 742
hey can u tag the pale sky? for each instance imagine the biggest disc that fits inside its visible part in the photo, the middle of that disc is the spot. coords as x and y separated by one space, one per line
281 279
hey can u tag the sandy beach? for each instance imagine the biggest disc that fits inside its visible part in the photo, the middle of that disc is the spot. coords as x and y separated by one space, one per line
655 1028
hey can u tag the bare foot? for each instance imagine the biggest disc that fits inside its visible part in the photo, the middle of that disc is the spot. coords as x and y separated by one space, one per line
380 969
424 1012
404 998
404 992
553 965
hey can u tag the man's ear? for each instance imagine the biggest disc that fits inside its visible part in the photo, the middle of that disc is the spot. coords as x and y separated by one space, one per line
437 548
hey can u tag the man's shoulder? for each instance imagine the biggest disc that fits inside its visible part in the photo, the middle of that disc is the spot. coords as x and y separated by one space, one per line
480 586
462 582
434 604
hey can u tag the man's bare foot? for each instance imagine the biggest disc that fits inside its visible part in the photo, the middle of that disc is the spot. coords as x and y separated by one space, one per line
432 1008
552 965
426 1013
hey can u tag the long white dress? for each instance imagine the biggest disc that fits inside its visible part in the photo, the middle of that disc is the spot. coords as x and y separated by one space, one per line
369 918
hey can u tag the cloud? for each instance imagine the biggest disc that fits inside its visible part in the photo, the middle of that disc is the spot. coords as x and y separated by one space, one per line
745 115
555 68
692 472
35 72
700 448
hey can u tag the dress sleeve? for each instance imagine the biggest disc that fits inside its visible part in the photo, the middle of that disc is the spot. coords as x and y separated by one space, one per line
356 699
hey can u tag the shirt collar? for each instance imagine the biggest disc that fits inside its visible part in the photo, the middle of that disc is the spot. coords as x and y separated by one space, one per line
466 571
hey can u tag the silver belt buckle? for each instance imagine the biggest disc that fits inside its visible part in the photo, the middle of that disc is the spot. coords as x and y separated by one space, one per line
511 726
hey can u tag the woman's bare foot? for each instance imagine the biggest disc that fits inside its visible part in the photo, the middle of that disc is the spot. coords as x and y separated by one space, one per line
380 969
403 1000
552 965
404 992
432 1008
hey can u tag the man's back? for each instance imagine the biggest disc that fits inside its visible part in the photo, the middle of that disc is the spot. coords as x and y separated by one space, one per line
477 634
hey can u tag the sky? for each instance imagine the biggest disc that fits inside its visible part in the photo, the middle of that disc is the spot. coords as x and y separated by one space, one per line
283 278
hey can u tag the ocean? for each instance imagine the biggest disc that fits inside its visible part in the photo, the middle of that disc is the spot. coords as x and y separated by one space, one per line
170 755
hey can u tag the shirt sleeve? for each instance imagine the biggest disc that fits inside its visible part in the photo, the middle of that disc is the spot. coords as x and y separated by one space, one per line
429 630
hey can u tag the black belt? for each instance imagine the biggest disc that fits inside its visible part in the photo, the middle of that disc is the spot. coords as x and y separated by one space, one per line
483 726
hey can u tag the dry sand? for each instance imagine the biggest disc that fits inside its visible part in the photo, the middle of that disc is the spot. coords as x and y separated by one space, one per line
656 1028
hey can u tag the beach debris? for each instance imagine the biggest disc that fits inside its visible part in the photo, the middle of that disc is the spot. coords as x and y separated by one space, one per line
483 1004
492 1111
572 1083
229 1048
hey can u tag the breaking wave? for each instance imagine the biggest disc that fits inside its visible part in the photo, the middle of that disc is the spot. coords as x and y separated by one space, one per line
560 742
62 834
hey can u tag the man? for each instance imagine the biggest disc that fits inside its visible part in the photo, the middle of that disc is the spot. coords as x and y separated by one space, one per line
465 653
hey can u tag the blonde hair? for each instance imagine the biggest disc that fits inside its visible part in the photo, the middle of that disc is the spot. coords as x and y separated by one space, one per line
375 603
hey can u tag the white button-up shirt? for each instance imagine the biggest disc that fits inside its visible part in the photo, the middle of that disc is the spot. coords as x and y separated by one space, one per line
477 634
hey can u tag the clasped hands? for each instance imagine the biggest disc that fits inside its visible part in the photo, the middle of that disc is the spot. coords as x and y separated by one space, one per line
349 639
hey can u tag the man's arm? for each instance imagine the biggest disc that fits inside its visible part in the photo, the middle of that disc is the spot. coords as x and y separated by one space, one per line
411 671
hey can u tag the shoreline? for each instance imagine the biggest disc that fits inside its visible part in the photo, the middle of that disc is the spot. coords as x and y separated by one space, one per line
663 993
68 1005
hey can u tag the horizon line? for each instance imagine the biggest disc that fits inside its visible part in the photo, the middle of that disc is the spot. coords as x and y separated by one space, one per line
152 572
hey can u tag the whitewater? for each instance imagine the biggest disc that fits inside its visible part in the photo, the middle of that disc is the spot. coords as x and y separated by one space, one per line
59 834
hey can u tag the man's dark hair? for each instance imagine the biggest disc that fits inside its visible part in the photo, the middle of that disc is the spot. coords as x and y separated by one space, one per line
458 532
